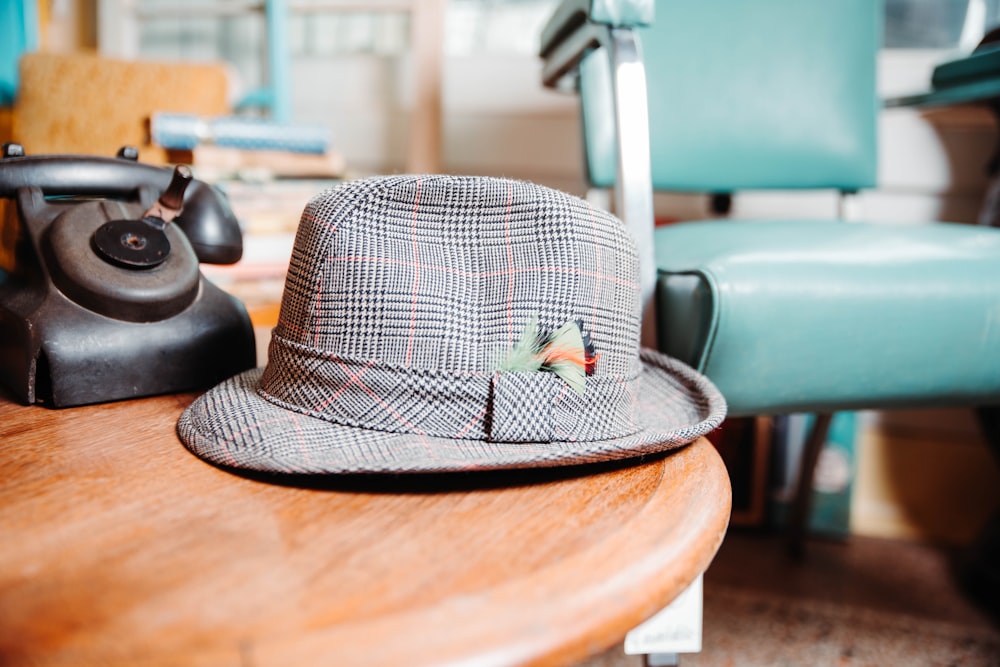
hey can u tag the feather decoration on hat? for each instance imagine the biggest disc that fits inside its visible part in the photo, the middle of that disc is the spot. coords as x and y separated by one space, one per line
568 352
589 351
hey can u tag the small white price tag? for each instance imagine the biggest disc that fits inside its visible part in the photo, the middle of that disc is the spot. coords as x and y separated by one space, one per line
676 629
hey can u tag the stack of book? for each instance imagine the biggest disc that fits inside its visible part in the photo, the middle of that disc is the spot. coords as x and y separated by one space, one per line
238 146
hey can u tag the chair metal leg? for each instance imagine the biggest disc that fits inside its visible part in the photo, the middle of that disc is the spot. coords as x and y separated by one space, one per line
720 203
799 518
989 424
980 565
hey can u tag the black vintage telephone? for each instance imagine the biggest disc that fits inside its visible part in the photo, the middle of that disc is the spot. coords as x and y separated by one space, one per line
101 297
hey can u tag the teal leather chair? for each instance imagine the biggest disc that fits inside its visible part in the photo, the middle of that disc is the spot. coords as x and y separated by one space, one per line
18 34
784 315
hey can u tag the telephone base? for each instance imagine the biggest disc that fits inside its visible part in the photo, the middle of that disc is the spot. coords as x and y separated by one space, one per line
56 353
101 296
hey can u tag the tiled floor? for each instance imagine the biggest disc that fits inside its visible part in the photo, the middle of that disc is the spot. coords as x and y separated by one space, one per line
864 602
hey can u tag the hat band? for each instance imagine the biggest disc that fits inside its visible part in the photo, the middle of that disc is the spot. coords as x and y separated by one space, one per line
500 406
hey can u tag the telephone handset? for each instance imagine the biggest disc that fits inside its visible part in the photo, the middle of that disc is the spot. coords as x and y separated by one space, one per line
206 219
101 296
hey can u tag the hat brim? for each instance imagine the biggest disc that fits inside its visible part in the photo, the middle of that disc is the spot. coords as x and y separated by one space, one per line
233 426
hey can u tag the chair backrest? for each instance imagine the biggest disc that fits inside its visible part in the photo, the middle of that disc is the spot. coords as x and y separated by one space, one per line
749 94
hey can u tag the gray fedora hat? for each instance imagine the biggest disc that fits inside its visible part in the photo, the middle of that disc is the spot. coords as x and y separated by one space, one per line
443 323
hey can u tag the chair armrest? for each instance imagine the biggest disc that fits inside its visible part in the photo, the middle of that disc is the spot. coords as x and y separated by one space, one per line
570 14
973 79
580 25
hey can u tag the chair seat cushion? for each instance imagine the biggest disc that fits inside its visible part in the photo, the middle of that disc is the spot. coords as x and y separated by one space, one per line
788 316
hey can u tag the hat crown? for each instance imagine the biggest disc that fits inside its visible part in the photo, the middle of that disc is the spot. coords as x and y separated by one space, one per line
443 273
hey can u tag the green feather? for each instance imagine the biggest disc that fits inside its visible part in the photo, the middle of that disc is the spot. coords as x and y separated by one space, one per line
523 357
568 338
563 353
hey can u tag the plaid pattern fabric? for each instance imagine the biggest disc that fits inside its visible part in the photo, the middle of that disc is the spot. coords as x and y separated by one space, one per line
403 296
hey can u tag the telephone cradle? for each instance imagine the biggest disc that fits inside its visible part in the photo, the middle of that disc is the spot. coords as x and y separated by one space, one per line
101 295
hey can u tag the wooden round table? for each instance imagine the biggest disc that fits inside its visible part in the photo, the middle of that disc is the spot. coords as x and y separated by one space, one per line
122 548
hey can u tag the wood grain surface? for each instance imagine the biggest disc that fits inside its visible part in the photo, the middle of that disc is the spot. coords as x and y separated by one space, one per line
121 548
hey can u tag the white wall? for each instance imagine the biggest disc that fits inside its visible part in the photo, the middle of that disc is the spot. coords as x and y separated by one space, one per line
497 118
